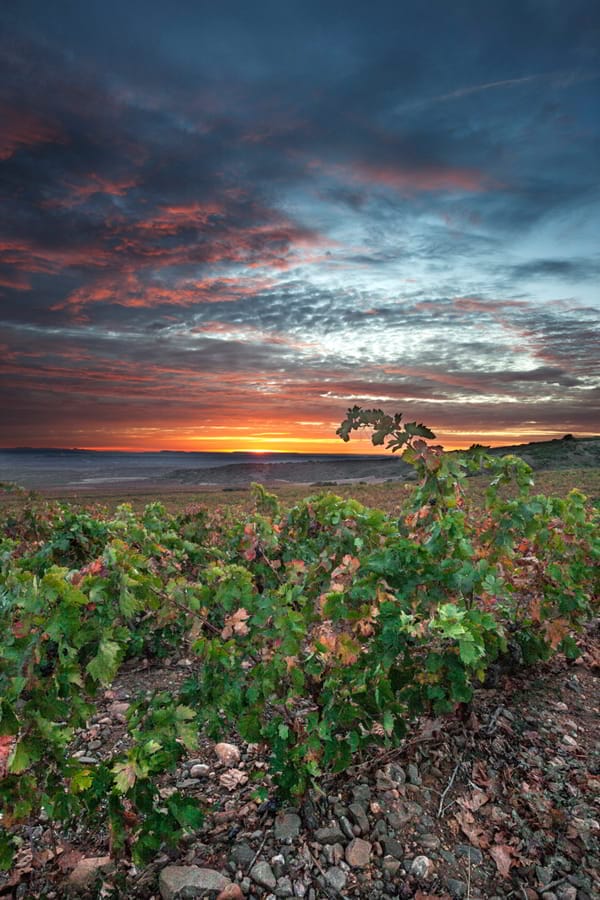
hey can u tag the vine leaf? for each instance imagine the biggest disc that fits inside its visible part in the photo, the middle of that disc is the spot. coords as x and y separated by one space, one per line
236 624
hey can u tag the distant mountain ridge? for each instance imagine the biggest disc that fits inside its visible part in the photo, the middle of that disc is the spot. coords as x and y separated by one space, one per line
563 453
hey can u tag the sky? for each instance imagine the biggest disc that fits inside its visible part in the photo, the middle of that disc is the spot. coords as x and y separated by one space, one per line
222 224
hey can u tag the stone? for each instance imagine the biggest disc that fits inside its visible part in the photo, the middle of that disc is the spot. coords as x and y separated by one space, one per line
284 887
413 774
391 865
358 853
361 793
336 878
200 770
278 864
566 892
421 867
429 841
287 826
227 754
346 827
473 853
184 882
333 853
358 814
231 892
456 888
87 870
331 835
242 854
263 875
544 875
392 847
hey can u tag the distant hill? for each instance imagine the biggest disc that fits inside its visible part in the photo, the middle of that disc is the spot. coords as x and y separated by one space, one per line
566 453
561 453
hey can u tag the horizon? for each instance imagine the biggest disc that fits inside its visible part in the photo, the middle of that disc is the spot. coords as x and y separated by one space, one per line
366 449
225 225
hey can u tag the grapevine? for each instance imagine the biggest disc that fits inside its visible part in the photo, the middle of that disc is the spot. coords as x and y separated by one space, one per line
319 630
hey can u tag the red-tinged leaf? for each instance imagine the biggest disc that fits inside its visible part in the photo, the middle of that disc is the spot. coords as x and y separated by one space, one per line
6 745
475 833
236 624
476 800
480 774
19 629
69 859
504 857
555 631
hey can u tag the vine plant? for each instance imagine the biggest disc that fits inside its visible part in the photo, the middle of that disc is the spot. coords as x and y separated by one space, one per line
319 631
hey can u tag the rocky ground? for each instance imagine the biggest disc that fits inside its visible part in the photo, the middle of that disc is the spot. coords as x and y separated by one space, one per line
499 801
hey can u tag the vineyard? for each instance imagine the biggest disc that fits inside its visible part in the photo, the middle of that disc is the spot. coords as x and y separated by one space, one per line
322 637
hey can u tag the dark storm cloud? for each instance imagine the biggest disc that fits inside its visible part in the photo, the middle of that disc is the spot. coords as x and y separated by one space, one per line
301 188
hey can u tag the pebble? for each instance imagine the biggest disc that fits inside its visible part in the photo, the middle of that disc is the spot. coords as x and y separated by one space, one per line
333 853
279 865
231 892
421 867
263 875
227 754
413 775
200 770
190 881
392 847
457 889
566 892
284 887
358 813
331 835
390 864
336 878
361 793
475 855
358 853
430 841
346 827
287 826
242 854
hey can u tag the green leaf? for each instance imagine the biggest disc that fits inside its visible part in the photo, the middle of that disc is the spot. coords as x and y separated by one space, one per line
185 811
469 651
388 722
283 732
7 850
81 781
103 667
20 758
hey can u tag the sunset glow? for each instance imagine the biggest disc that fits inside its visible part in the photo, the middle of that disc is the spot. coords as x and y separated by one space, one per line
222 228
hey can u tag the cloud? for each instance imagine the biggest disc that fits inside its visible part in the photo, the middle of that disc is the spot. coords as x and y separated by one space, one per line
297 208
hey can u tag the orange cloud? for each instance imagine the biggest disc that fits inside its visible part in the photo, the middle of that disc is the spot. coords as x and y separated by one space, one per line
437 179
22 129
408 179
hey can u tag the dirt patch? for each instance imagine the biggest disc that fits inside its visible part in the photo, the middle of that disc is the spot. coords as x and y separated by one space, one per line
498 801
